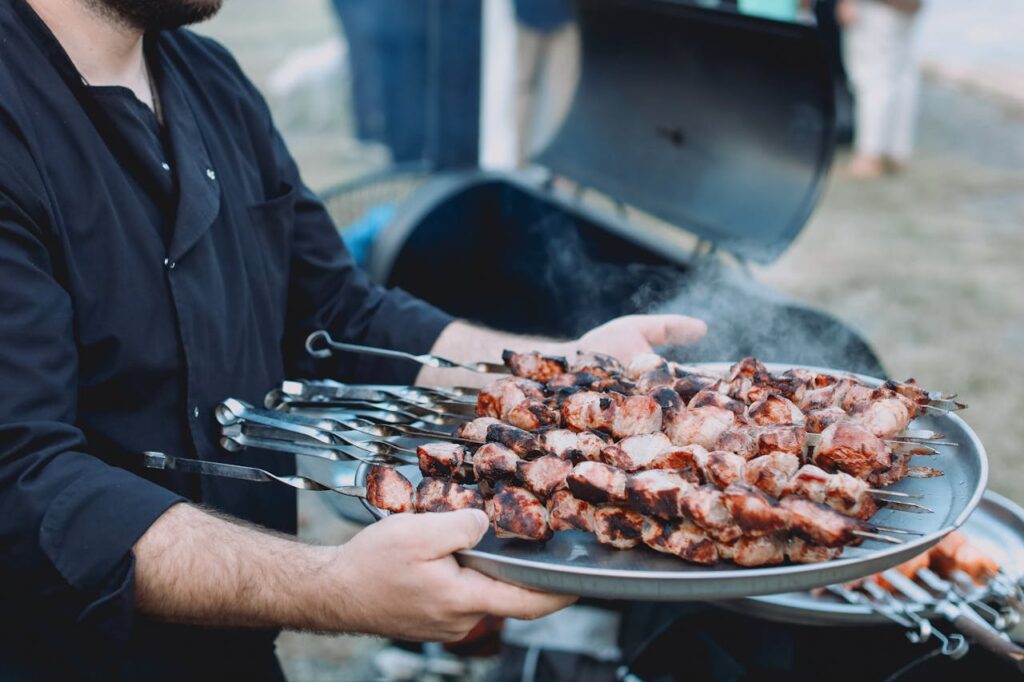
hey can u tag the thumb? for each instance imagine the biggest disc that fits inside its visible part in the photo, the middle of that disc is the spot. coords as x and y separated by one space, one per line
446 532
671 330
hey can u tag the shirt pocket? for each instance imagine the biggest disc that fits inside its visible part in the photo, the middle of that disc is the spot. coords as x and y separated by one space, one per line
273 223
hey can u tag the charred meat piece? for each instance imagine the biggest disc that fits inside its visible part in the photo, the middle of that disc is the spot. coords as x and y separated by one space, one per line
501 395
591 444
679 457
667 399
521 442
658 492
774 409
827 392
688 385
646 362
705 506
751 369
856 393
598 364
683 539
792 383
817 421
440 460
636 452
389 490
780 438
721 468
740 440
495 462
955 552
755 512
653 379
534 366
701 426
763 550
618 527
910 390
476 429
900 464
531 414
517 513
821 524
635 415
574 380
800 551
884 417
589 411
544 475
597 483
842 492
771 473
716 399
566 512
848 446
561 443
436 495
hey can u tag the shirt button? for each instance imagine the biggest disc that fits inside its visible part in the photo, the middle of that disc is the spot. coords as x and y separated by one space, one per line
210 174
169 264
166 166
195 412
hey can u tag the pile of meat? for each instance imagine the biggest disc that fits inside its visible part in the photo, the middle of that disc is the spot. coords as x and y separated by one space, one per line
702 467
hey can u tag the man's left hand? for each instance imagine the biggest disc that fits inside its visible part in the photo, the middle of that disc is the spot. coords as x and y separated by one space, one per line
629 336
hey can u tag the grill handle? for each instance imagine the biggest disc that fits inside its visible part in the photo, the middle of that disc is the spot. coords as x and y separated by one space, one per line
977 630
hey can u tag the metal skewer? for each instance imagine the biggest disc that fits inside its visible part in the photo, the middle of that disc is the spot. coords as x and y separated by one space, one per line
319 344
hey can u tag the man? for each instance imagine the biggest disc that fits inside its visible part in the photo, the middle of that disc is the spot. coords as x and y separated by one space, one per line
158 253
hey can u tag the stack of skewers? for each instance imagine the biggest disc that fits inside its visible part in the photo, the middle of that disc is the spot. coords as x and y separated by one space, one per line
753 467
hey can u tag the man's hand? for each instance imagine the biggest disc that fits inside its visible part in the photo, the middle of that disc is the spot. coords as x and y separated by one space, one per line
399 579
627 337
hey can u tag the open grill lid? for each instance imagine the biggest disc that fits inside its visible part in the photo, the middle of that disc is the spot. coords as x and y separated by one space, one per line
719 123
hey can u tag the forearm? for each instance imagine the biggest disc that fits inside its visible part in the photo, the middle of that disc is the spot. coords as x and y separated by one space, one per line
195 567
465 342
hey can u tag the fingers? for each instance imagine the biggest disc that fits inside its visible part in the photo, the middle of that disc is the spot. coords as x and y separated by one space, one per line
670 330
438 535
484 595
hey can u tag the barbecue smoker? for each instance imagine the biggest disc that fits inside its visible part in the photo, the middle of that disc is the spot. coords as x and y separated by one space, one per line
707 136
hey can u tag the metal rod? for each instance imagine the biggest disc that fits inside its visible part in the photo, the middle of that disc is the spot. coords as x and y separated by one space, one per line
319 344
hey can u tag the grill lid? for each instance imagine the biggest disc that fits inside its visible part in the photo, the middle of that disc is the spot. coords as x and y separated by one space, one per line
718 123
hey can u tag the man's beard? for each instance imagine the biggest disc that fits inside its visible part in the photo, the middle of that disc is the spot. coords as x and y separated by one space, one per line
154 15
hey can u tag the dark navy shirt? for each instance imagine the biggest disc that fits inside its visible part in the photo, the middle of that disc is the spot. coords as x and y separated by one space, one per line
147 273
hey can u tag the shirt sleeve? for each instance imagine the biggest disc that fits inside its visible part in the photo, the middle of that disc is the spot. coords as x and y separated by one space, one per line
68 520
329 291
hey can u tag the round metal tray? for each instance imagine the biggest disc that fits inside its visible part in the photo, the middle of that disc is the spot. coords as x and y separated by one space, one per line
574 562
997 525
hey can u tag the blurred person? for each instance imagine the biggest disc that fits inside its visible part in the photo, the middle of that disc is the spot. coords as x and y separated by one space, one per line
160 252
878 46
547 67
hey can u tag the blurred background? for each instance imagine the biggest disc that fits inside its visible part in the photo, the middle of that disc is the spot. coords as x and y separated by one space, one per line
909 261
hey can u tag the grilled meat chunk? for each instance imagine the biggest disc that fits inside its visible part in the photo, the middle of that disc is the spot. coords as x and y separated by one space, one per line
683 539
517 513
635 415
597 363
440 460
714 398
636 452
657 378
646 362
657 492
751 369
566 512
389 490
720 468
842 492
589 411
687 385
617 527
821 524
476 429
763 550
534 366
884 417
740 440
701 426
817 421
521 442
597 483
774 409
501 395
531 414
848 446
800 551
436 495
544 475
495 462
705 506
755 512
574 381
562 443
771 473
667 399
780 438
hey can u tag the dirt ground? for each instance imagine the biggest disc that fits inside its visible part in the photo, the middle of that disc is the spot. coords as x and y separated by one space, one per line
926 264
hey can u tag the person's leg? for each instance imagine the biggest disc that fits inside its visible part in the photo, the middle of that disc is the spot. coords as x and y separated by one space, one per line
867 47
558 73
530 47
904 116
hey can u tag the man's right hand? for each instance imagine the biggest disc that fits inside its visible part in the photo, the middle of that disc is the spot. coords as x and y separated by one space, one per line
398 578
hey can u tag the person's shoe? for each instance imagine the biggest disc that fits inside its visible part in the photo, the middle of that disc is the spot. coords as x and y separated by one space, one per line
865 167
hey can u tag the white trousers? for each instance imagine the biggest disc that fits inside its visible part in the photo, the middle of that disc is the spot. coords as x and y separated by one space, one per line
880 59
